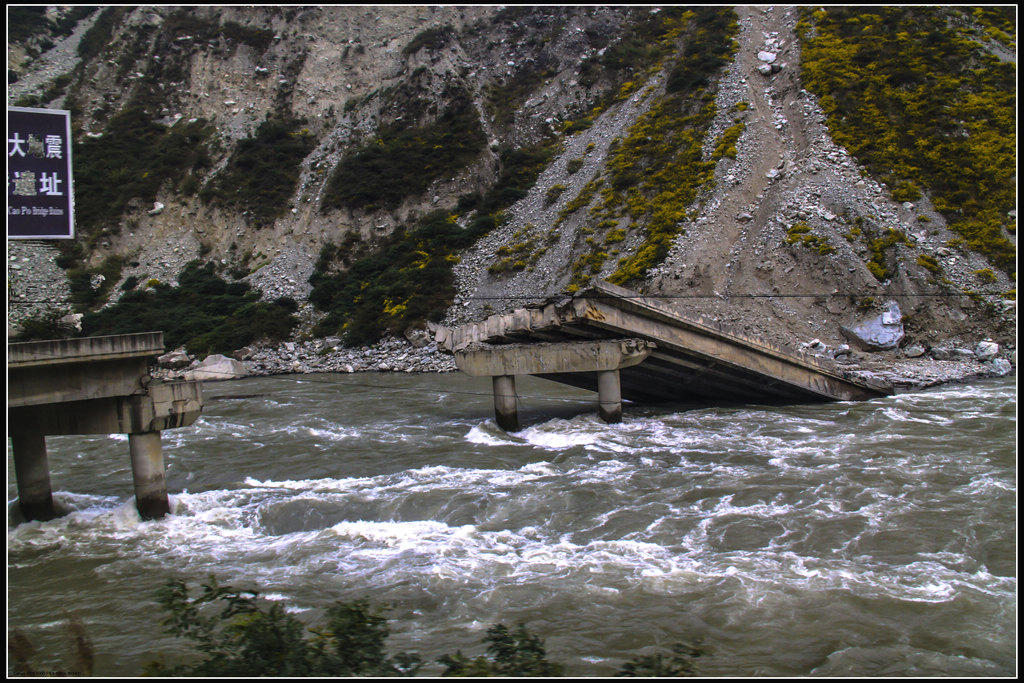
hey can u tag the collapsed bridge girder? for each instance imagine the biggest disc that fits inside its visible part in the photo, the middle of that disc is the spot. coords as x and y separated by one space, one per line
686 359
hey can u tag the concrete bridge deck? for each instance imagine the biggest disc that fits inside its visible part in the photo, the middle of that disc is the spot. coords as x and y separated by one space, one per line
691 360
93 385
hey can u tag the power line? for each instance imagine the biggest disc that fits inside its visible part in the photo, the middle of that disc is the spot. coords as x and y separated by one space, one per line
669 297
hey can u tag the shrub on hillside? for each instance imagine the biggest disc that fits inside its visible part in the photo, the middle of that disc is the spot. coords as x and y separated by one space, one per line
203 313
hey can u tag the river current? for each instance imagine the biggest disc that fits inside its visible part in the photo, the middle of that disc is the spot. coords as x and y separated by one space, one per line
846 539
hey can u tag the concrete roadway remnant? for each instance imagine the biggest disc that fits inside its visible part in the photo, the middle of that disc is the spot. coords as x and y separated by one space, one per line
95 385
691 359
504 362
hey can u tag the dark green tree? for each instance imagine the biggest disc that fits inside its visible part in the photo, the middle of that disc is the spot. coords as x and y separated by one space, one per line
238 635
509 653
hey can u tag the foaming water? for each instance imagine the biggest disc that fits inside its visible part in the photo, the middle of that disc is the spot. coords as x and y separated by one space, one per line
872 538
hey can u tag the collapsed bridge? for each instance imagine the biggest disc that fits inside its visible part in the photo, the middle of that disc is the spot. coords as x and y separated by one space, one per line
628 346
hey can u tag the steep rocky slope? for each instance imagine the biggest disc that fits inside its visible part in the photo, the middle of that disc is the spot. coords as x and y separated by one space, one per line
776 245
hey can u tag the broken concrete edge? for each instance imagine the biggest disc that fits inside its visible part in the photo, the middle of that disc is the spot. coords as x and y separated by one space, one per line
85 349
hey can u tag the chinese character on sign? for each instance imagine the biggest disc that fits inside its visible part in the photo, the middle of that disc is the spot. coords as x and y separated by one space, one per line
40 193
14 146
50 185
54 147
24 184
35 146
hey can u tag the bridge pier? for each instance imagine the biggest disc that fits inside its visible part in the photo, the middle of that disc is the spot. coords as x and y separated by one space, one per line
148 475
32 472
504 361
609 396
505 411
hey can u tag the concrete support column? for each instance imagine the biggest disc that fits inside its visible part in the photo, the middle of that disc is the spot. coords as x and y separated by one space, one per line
505 402
148 475
32 470
609 396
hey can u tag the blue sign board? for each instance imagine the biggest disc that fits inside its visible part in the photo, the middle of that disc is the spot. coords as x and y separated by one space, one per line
40 199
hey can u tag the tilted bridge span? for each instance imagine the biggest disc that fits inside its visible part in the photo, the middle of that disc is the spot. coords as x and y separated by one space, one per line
626 346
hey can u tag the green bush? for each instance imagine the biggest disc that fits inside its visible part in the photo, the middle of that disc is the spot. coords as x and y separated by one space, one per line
403 162
710 48
203 313
45 325
233 633
927 109
260 177
244 637
509 653
134 159
408 278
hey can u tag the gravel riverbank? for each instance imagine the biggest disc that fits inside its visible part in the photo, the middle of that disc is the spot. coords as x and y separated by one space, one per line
398 355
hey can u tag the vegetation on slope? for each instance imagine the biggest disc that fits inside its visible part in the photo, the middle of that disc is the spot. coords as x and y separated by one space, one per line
917 95
403 162
203 313
133 160
260 177
407 279
656 172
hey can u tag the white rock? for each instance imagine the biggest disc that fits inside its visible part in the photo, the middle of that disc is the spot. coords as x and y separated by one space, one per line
986 350
217 367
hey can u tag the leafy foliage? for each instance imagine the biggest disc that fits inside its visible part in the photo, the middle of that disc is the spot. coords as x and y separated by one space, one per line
48 324
262 173
509 653
134 159
930 109
408 279
233 633
655 173
646 39
24 22
204 313
243 637
710 48
404 161
681 663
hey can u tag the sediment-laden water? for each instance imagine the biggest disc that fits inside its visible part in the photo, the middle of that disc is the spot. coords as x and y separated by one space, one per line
848 539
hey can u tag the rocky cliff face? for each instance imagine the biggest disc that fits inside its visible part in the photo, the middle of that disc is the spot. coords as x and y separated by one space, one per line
777 240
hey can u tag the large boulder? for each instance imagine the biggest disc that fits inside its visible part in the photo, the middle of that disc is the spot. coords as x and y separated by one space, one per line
175 360
986 350
881 333
217 367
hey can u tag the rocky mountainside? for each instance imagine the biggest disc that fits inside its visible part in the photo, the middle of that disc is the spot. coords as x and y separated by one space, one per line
520 152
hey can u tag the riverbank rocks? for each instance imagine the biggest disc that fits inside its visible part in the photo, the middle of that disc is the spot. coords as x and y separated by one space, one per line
986 350
914 351
328 355
999 366
175 360
881 333
217 367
